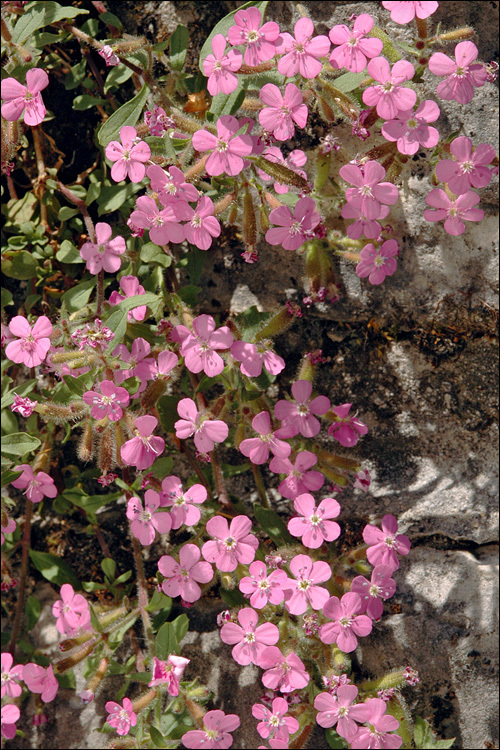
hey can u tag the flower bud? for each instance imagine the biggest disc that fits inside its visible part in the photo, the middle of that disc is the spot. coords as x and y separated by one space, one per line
334 476
197 169
152 393
278 324
144 701
331 459
454 36
328 112
264 218
323 162
249 220
70 661
105 458
233 213
87 695
70 643
227 581
85 448
282 174
224 203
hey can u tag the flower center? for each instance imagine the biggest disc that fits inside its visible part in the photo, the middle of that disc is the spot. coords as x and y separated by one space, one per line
343 710
412 124
315 519
379 260
296 228
346 621
217 65
303 410
252 36
375 591
388 87
264 584
275 721
145 516
304 584
250 638
212 734
391 542
221 145
366 191
285 111
181 500
196 221
467 166
353 41
184 573
230 543
299 48
461 72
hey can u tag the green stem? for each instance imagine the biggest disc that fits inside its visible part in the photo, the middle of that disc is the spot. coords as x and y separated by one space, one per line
23 579
100 292
259 482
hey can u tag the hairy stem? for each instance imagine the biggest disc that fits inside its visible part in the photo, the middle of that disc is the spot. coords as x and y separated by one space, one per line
25 544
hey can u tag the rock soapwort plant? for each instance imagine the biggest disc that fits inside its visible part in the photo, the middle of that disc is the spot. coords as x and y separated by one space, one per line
119 390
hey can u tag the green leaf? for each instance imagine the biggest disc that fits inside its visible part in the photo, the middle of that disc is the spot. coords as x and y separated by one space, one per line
53 569
178 47
33 609
223 26
75 75
109 567
167 411
222 104
233 598
66 213
111 20
117 322
77 297
9 476
68 253
7 298
128 114
85 101
166 642
67 680
113 197
388 50
334 740
116 637
189 294
37 16
76 385
180 626
151 253
425 738
116 76
272 525
19 443
157 738
89 503
159 602
349 81
20 390
138 300
19 265
162 467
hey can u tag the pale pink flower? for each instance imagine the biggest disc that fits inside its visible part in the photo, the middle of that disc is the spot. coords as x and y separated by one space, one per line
131 288
158 121
168 673
72 611
215 733
273 722
313 524
35 487
182 503
363 226
146 521
293 228
104 254
257 449
283 673
41 680
376 733
139 364
355 45
142 450
27 99
167 360
109 402
334 681
348 429
10 714
293 161
281 112
199 348
454 212
469 169
389 95
108 54
299 479
348 622
33 344
202 225
369 191
260 41
9 528
302 591
404 12
11 676
121 718
385 544
302 54
220 68
338 709
378 262
263 587
411 129
170 184
227 148
129 156
163 224
381 586
299 414
254 356
183 576
23 406
232 544
362 480
206 431
248 639
462 74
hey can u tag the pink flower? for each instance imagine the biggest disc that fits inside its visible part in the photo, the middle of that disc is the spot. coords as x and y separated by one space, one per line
131 288
302 54
9 527
203 225
370 228
390 96
183 576
233 544
273 723
170 184
303 590
355 45
411 129
249 640
299 479
11 677
183 504
293 161
220 68
259 40
263 588
142 450
105 253
108 55
294 229
109 403
215 733
299 416
145 522
348 622
33 343
348 429
121 718
338 710
24 406
281 112
199 348
283 673
404 12
384 544
463 76
362 480
35 487
163 225
369 192
140 365
168 673
129 156
10 714
375 735
227 148
40 680
381 586
257 449
469 169
167 360
27 99
254 356
313 524
206 431
72 611
378 262
454 212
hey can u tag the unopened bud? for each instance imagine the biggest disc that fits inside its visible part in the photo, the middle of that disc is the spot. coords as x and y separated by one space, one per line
451 36
249 220
323 162
227 581
223 204
240 434
272 201
196 170
70 643
346 105
233 213
278 324
331 459
93 683
106 451
152 393
282 174
264 218
392 679
144 701
334 476
327 111
74 659
85 448
128 46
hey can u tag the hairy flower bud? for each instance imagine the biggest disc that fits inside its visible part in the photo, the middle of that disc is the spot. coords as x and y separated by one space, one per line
282 174
85 448
224 203
323 161
465 32
249 220
64 664
279 323
106 452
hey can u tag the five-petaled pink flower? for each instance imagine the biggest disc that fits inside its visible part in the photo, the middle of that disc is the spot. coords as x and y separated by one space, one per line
283 673
72 611
182 503
184 576
202 225
199 348
355 45
257 449
370 228
121 718
338 709
168 673
131 288
254 356
140 365
109 402
378 262
462 74
299 415
33 344
11 676
232 544
376 733
27 99
273 722
281 112
454 212
348 429
10 714
299 479
35 487
369 192
146 521
293 228
385 544
23 406
348 622
206 431
227 147
249 640
389 96
109 56
469 169
215 733
263 587
220 68
163 224
129 156
142 450
105 252
302 54
303 589
404 12
381 586
313 524
170 185
411 129
41 680
260 41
